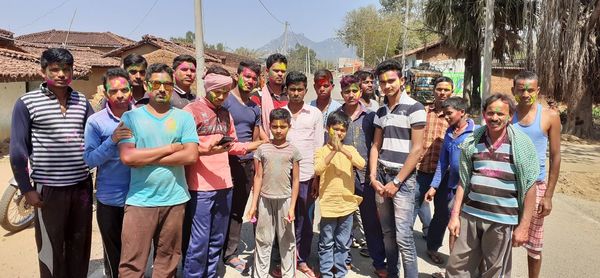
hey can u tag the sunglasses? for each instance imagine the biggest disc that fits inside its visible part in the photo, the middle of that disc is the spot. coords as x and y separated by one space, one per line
155 85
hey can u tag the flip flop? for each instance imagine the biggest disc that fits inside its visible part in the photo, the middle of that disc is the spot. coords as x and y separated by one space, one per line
305 269
437 275
434 257
237 264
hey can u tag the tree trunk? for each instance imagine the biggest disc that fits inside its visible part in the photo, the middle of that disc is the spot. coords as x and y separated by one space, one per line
467 79
476 95
579 116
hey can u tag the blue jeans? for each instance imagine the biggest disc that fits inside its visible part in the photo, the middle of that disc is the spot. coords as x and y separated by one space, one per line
396 215
333 244
371 224
207 219
443 201
423 211
305 209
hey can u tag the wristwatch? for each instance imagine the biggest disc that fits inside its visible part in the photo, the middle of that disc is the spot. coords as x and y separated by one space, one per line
397 182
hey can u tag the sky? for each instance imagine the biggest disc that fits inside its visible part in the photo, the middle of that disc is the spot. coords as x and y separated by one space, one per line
236 23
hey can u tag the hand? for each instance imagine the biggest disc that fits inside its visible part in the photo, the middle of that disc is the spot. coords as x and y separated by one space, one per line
545 206
378 186
251 214
454 226
33 198
120 133
430 194
220 148
389 190
520 235
291 216
175 147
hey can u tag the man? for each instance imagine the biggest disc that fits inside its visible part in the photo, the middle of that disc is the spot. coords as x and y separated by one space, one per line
495 199
306 134
360 135
541 125
47 130
272 95
435 130
246 119
367 90
136 65
184 75
323 84
163 141
397 147
102 133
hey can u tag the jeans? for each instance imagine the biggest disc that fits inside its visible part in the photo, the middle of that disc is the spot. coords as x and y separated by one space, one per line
242 172
443 201
423 210
110 223
371 224
396 215
333 244
305 209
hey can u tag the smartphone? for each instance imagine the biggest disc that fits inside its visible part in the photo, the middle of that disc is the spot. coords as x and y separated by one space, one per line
225 140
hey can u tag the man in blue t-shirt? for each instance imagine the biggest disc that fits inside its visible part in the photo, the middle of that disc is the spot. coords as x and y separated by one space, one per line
163 140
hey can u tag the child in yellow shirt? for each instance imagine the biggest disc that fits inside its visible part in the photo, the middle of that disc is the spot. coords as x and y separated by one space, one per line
334 164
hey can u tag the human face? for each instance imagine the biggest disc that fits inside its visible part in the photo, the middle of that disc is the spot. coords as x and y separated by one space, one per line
390 83
218 96
366 86
526 91
279 129
296 92
160 87
443 91
247 80
137 74
58 75
277 72
497 115
118 92
453 116
351 94
337 130
323 87
185 74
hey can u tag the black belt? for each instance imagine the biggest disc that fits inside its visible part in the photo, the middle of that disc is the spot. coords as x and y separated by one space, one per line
388 170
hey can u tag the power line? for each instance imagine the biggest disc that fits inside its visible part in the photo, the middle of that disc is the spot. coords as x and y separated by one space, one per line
272 15
143 18
42 16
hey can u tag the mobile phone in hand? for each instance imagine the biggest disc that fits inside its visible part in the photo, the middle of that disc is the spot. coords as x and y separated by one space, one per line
225 140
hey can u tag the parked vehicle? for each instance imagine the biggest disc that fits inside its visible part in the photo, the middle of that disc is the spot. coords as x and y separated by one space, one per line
15 213
419 82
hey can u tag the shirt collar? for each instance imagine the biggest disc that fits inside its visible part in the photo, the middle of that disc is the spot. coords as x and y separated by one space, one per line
432 109
363 109
46 91
110 112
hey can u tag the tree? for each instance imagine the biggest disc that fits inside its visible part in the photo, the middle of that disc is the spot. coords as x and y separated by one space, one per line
248 52
297 58
188 39
568 59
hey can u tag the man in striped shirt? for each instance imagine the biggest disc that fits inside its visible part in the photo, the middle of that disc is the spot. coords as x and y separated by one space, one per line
397 147
47 130
493 207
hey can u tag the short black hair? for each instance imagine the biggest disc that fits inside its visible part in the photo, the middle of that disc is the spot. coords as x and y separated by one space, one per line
158 67
183 58
512 106
295 77
323 73
56 55
276 58
525 75
338 117
362 75
216 69
280 114
457 103
348 80
253 66
112 73
443 79
387 65
134 59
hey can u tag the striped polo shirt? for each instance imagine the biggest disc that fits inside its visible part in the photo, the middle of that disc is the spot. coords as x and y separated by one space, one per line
57 140
396 124
493 190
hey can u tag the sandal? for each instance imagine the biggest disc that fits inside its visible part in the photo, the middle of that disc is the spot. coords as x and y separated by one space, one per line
435 257
305 269
276 271
237 263
437 275
381 273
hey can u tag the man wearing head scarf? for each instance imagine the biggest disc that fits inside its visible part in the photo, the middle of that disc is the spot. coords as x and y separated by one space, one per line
209 179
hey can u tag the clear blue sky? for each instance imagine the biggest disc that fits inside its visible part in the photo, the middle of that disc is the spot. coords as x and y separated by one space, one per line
234 22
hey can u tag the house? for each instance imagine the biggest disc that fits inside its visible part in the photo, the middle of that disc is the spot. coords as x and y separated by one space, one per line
101 41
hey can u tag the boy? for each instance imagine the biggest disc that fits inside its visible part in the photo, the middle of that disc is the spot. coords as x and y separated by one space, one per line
334 164
323 84
274 198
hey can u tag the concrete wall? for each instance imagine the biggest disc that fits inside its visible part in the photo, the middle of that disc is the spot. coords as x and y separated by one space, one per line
88 87
502 80
9 93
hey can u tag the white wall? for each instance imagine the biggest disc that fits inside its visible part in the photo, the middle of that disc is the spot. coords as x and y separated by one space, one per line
9 93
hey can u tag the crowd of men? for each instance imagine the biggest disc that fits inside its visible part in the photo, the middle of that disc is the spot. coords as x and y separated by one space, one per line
175 171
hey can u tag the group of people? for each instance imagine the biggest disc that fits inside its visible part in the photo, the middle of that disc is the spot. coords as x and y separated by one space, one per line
175 171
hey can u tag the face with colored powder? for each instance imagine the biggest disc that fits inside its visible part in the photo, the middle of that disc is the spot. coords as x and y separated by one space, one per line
338 130
296 92
185 74
247 80
497 116
137 74
323 88
118 92
277 72
526 91
160 87
279 129
218 96
58 75
390 83
351 94
442 91
366 86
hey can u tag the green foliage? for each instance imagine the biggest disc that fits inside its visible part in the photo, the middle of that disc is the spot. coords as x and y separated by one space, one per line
596 113
297 58
187 39
248 52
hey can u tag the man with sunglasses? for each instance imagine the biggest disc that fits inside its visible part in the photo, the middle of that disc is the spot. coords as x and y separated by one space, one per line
163 140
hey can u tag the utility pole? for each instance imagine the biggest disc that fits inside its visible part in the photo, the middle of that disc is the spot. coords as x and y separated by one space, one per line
387 44
285 35
199 41
308 59
405 35
487 50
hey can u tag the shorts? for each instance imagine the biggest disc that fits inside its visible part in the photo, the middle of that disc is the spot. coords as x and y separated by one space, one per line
536 229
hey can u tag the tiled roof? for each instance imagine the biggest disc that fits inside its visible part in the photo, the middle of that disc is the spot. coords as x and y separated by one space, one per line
420 49
231 59
17 66
6 33
82 55
166 57
90 39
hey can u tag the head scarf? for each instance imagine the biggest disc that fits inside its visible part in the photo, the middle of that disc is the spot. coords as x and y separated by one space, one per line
214 81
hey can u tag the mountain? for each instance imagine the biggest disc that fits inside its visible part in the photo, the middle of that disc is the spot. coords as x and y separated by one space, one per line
330 49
